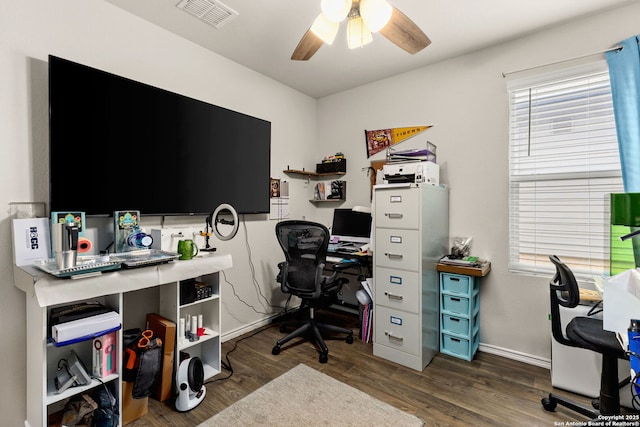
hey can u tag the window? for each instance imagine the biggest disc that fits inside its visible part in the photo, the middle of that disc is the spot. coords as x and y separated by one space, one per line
564 163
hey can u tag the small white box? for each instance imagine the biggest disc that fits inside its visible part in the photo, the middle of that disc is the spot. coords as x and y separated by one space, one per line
31 240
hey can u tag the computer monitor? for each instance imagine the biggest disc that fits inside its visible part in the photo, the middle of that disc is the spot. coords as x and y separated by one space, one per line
350 226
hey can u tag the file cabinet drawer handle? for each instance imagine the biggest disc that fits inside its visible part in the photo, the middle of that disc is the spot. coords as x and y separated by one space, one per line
454 279
393 215
455 299
390 335
393 296
396 256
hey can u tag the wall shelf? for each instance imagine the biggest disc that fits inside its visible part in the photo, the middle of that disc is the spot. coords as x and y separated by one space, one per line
328 200
312 174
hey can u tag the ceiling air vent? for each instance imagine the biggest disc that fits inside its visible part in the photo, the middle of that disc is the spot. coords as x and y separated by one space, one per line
210 11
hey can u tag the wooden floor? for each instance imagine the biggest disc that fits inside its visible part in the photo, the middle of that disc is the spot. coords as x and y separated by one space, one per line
488 391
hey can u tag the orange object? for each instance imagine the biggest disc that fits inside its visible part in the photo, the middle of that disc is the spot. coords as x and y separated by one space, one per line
131 358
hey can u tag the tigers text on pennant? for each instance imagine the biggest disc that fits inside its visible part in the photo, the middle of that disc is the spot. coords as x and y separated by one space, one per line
378 140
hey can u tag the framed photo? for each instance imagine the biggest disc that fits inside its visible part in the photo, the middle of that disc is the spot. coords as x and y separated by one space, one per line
275 188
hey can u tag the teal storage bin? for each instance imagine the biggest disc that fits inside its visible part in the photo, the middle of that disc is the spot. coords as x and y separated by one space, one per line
456 325
459 315
455 304
459 346
456 283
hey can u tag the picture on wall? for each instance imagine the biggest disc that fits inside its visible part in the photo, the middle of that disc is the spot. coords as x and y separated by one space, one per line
378 140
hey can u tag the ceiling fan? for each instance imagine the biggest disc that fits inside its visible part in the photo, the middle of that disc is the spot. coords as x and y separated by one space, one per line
364 17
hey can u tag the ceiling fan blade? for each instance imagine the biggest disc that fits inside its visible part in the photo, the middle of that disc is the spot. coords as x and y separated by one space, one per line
307 47
404 33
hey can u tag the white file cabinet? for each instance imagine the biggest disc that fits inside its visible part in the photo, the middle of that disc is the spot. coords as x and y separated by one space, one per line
411 233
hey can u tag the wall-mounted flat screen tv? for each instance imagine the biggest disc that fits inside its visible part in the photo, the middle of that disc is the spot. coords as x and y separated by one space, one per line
117 144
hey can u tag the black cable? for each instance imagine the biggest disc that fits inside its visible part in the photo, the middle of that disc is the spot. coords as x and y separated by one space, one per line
240 299
227 365
252 267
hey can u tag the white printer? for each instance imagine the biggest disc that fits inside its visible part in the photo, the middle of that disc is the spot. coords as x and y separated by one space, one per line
413 172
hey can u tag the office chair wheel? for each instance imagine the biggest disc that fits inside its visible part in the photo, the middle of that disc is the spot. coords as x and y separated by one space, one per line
324 357
275 350
283 329
548 404
349 339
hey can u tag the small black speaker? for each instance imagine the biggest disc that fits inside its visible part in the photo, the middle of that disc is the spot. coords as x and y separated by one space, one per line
188 292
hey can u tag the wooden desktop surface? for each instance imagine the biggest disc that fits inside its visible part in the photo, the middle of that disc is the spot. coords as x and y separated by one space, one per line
479 271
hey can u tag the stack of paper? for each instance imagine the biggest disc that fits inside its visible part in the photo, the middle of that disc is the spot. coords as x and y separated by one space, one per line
413 155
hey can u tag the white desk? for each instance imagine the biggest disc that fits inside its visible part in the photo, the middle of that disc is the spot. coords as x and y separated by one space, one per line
44 291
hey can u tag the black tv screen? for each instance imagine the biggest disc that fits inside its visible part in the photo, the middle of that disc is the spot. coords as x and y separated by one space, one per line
117 144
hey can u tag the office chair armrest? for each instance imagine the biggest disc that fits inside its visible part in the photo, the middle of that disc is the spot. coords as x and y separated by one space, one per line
281 267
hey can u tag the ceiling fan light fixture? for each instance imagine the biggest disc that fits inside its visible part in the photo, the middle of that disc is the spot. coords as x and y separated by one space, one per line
325 29
335 10
358 34
376 13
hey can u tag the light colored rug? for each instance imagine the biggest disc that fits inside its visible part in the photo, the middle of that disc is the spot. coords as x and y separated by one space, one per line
306 397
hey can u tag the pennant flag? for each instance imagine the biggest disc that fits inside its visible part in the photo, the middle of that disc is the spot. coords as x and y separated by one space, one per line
378 140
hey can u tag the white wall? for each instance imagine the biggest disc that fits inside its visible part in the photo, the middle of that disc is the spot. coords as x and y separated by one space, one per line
465 98
98 34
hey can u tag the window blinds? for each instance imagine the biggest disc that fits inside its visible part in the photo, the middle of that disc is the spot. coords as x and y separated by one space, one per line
564 163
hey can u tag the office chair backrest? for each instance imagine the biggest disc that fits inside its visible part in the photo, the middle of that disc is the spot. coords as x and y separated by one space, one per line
564 291
305 245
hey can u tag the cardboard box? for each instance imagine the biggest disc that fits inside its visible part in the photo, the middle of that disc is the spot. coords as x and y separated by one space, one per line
166 330
132 409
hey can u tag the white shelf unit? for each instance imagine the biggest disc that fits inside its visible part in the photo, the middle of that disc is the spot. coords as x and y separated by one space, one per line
411 233
83 349
207 347
44 291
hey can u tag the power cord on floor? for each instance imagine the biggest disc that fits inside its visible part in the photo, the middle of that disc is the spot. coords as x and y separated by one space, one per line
227 365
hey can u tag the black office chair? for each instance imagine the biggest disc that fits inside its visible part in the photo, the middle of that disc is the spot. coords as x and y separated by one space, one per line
305 246
584 332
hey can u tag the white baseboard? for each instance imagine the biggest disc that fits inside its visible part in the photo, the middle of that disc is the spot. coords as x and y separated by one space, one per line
487 348
515 355
248 327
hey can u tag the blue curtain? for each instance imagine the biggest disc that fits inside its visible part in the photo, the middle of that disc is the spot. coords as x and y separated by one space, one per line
624 71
